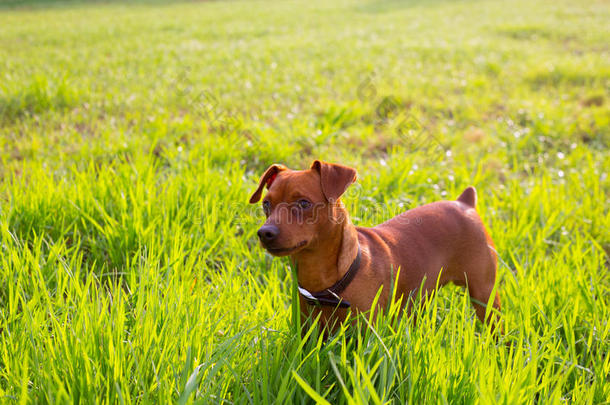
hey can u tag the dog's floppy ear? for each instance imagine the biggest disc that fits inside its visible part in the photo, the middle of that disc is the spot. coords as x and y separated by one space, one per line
334 178
266 180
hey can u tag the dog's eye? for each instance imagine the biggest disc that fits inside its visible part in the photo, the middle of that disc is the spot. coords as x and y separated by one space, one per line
303 204
267 207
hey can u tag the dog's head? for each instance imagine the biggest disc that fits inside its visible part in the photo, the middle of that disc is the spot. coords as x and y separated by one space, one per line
301 205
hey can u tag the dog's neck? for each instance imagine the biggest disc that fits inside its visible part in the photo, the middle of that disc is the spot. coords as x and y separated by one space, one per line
322 266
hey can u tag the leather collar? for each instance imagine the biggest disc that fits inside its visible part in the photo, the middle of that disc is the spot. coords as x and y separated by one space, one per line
330 296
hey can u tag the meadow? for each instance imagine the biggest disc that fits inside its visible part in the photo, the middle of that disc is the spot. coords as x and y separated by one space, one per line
132 135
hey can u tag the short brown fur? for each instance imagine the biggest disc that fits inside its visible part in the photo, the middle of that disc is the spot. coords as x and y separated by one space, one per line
322 242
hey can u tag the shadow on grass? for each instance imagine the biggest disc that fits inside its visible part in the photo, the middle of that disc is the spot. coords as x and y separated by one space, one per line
40 95
58 4
367 6
386 6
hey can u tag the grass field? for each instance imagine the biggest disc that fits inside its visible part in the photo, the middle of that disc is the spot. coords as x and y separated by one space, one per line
133 135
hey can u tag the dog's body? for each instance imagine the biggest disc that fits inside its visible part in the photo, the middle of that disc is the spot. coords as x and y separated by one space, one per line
440 242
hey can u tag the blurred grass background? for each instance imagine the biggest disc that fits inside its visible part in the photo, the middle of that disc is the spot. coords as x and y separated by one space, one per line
133 134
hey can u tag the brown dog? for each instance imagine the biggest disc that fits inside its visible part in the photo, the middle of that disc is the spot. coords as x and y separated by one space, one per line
341 266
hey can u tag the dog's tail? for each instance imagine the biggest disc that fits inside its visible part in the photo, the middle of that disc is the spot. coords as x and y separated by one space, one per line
469 197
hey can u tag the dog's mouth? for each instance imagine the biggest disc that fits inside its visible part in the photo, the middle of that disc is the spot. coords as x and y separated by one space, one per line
285 251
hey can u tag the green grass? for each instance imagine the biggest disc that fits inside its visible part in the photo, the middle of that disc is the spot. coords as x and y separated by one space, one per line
133 135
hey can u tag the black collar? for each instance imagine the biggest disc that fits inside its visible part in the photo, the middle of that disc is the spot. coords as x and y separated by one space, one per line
330 296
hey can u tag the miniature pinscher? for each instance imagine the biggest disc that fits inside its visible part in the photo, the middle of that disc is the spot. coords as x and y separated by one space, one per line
342 266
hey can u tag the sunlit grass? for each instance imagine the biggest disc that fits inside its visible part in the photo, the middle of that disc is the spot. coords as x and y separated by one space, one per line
132 137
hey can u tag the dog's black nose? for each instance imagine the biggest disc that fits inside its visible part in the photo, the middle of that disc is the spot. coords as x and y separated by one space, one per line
268 233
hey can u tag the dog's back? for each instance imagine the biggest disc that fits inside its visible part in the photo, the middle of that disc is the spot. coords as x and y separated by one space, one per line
443 242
